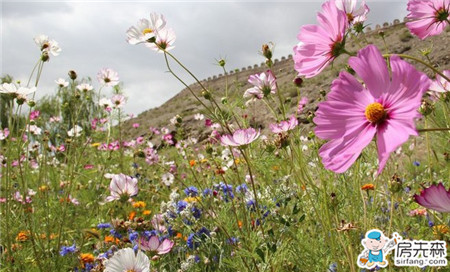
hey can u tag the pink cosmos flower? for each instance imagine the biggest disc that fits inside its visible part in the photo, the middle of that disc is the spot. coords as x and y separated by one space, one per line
440 85
385 106
4 134
284 126
122 186
153 244
34 115
435 198
301 104
136 125
321 44
428 17
108 77
263 85
118 100
354 15
165 38
240 137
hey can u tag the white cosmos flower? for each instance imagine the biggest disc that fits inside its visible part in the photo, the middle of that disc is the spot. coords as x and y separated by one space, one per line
47 45
118 100
33 129
126 260
199 116
165 39
167 179
62 82
84 87
75 131
108 77
105 103
145 30
12 89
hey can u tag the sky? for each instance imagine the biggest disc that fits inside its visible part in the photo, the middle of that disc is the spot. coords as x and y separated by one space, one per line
92 36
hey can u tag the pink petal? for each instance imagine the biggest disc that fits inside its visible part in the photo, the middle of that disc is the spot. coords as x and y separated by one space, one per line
165 246
371 67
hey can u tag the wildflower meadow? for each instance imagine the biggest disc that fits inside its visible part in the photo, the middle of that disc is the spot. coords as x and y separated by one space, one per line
358 183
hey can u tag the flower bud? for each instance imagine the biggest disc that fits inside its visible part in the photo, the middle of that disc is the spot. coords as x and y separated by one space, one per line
206 95
224 100
222 63
266 51
72 74
426 108
44 56
31 103
298 81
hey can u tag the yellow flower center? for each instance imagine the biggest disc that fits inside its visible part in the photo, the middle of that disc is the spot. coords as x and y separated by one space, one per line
131 270
147 31
375 113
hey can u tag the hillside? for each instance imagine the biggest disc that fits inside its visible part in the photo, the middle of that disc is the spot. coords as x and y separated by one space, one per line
397 37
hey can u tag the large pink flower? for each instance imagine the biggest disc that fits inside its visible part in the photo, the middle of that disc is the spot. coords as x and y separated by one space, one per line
321 44
284 126
428 17
154 244
240 137
435 197
385 106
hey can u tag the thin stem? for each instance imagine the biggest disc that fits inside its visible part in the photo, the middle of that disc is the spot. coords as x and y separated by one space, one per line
433 129
419 61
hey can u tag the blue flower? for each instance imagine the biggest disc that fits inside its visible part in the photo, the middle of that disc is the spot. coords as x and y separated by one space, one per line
191 243
114 233
416 163
332 267
233 241
242 188
207 192
66 250
133 236
181 205
196 212
191 191
104 226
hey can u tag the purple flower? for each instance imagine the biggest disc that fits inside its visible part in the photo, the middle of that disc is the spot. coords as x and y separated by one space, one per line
435 198
240 137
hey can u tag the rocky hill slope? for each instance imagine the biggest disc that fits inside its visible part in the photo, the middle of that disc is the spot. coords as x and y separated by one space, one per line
398 39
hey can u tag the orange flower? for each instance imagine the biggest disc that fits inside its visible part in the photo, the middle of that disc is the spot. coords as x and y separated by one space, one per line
192 163
110 239
87 258
146 212
179 236
368 186
23 236
139 204
131 215
239 223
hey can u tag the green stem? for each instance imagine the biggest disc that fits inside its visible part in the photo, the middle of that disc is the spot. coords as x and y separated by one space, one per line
433 129
419 61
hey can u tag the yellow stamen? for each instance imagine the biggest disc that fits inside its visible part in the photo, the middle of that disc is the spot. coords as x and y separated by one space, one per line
375 113
147 31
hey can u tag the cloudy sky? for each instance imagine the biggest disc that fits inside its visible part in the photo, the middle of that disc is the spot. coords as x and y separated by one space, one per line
92 36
